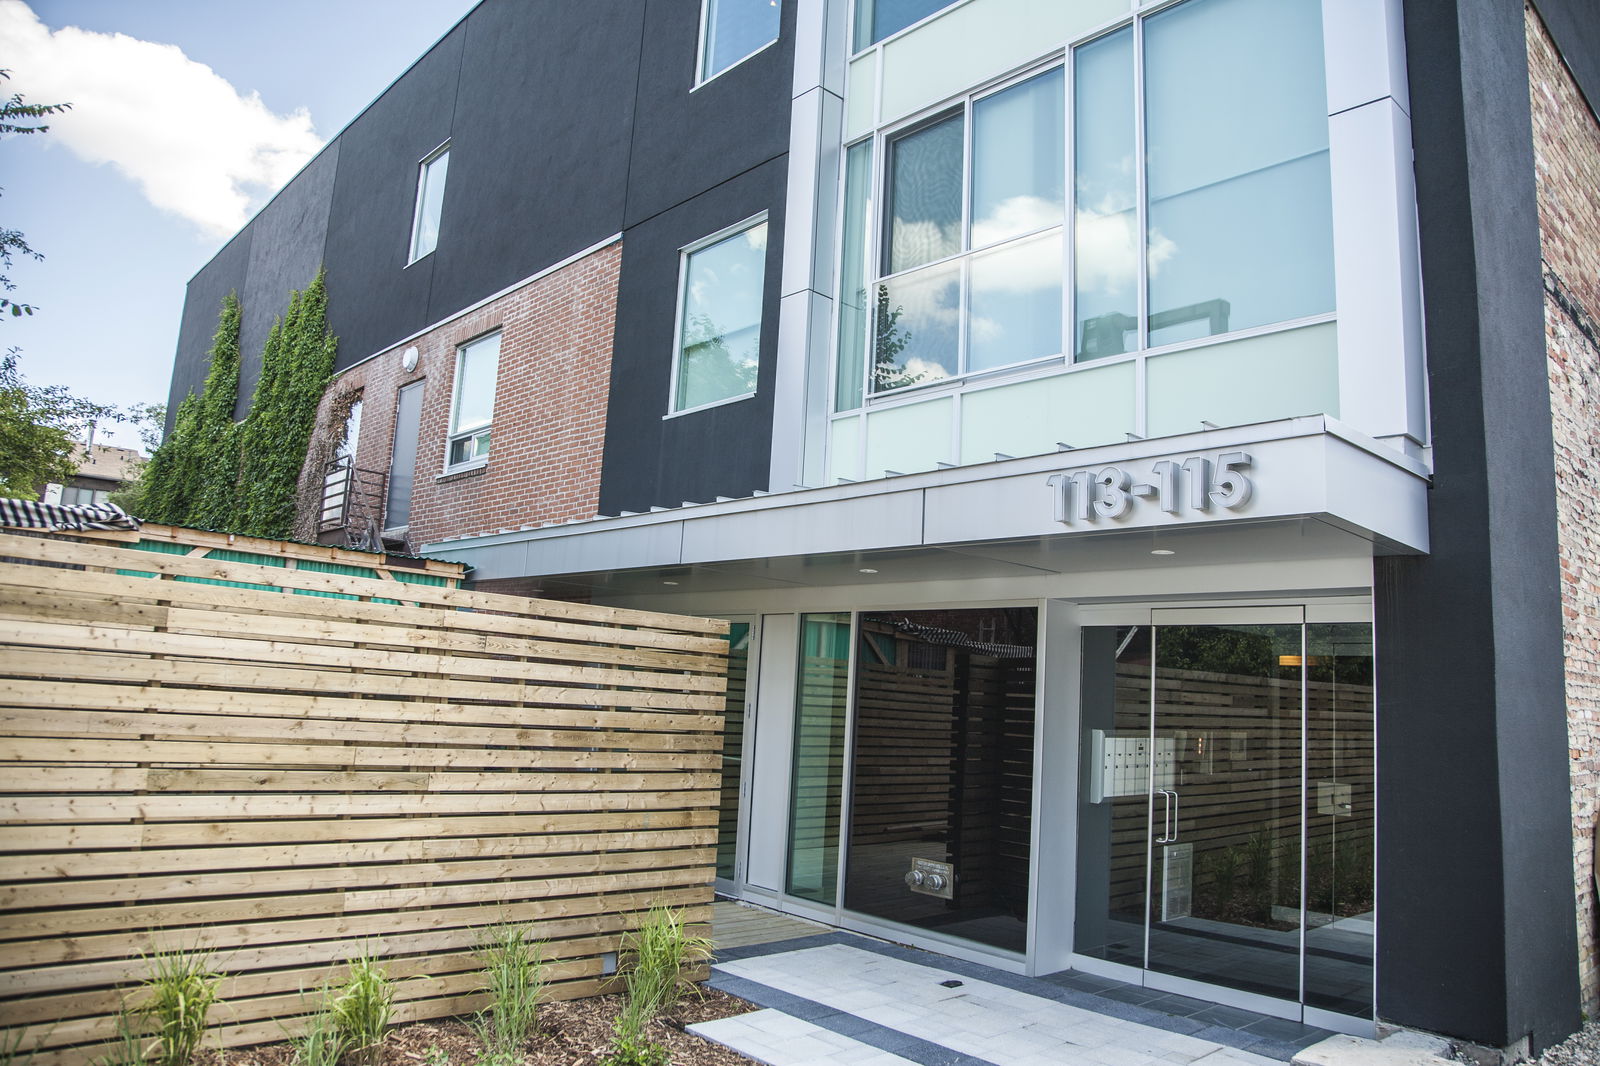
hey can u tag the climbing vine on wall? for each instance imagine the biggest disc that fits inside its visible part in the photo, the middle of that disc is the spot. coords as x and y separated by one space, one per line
241 477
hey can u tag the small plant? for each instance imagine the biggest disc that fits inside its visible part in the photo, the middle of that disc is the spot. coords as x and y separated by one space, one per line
360 1010
653 960
11 1053
127 1044
435 1056
321 1044
180 987
513 975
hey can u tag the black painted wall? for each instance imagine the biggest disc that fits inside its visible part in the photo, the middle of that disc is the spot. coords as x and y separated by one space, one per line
568 123
1475 886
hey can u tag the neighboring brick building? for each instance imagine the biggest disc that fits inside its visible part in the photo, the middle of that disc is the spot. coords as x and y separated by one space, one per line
1156 540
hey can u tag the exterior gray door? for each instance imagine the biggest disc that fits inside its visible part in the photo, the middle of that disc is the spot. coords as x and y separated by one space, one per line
403 456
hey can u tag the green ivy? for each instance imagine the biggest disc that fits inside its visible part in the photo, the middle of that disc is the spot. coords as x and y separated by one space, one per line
241 477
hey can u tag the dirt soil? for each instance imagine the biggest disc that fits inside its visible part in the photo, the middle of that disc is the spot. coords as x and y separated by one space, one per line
571 1033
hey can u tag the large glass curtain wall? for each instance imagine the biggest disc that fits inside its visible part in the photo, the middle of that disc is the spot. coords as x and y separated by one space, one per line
939 712
1200 204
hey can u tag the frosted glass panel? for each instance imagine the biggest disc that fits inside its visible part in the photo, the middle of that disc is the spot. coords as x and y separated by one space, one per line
979 40
1016 304
909 438
1018 156
915 334
853 280
1238 382
1083 408
1240 216
844 449
1106 224
925 195
860 95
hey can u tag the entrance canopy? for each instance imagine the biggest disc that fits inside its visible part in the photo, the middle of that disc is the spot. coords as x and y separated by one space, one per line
1303 485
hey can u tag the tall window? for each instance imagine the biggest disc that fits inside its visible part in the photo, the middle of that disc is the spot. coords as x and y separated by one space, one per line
430 201
970 277
1200 200
735 30
719 317
472 408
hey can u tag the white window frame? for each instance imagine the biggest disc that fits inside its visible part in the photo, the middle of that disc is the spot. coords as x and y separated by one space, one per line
473 434
700 76
677 325
416 210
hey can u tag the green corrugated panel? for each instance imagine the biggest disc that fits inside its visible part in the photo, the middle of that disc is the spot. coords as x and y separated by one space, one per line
334 568
227 555
161 547
412 578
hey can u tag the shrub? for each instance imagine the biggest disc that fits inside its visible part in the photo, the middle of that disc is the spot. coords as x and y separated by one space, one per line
321 1043
360 1011
179 989
653 960
513 975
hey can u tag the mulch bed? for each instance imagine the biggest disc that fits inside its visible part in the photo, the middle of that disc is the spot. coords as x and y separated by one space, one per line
571 1033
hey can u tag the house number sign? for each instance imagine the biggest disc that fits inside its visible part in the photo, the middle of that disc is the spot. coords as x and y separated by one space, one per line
1176 485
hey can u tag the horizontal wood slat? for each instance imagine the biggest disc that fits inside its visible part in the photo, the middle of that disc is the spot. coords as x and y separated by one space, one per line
290 773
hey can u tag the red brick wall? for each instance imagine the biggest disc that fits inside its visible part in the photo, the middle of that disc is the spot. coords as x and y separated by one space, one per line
1567 155
549 405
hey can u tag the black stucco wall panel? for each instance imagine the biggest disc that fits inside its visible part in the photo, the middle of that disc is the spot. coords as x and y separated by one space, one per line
721 451
539 146
285 253
224 274
686 142
374 298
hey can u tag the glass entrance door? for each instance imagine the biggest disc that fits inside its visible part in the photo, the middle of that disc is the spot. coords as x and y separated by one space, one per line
1226 807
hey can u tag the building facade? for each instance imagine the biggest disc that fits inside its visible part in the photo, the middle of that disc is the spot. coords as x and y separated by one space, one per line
1146 450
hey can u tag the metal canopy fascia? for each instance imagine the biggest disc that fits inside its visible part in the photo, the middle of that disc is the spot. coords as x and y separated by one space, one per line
1287 471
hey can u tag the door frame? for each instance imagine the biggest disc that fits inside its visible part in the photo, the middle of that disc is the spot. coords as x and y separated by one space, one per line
735 886
1283 610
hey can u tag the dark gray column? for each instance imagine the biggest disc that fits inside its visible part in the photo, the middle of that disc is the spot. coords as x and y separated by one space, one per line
1475 887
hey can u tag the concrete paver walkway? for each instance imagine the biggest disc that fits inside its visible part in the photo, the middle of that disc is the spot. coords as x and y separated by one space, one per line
837 999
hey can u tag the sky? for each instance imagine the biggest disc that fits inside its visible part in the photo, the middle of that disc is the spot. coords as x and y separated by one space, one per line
187 116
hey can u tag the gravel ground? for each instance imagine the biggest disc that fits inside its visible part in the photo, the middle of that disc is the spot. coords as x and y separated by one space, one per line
1580 1049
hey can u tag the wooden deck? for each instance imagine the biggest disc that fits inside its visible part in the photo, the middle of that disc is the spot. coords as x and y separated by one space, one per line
737 925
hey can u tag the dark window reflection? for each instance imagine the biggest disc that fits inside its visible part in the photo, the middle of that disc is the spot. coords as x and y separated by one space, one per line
943 770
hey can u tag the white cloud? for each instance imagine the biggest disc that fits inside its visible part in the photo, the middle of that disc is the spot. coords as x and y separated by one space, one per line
192 142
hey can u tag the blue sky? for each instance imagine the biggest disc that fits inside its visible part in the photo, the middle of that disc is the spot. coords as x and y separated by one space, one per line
160 161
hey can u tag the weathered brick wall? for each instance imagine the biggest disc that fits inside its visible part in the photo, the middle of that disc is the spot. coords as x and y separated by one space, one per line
1567 154
549 408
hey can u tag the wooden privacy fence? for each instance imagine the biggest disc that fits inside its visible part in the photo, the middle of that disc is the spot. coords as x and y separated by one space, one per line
288 755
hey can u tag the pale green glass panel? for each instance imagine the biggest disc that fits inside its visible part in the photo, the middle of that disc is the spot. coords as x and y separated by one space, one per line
1083 408
851 364
817 781
844 449
976 41
1235 383
913 437
861 95
1018 155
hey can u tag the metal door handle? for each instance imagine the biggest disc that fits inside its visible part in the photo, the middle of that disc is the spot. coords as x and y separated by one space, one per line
1177 822
1166 836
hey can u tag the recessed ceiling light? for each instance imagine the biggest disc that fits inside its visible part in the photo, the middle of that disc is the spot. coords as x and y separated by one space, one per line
866 570
1162 551
669 582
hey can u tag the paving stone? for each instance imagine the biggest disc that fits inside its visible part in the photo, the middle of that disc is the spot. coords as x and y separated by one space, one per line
1353 1051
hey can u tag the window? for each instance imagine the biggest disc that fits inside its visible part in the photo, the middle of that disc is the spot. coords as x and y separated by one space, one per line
877 19
970 277
719 317
1200 202
430 201
472 408
74 496
732 31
